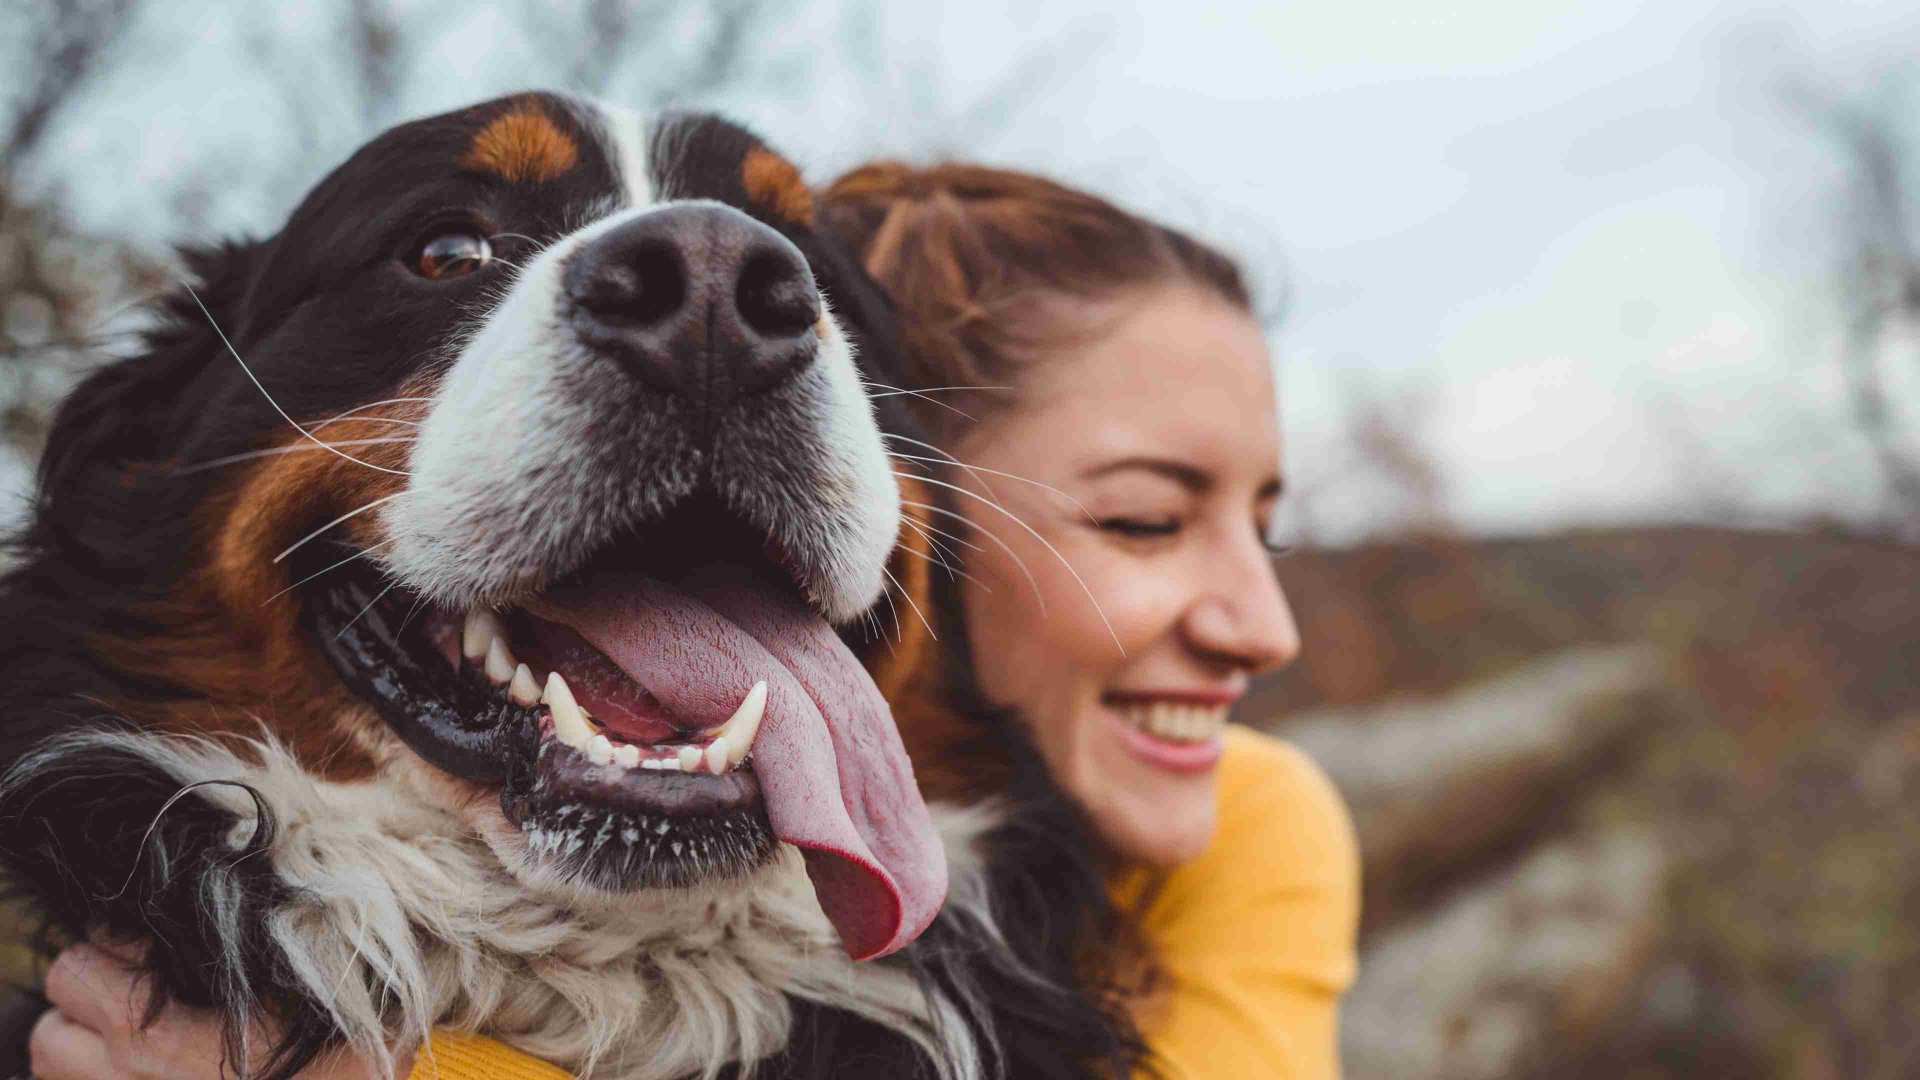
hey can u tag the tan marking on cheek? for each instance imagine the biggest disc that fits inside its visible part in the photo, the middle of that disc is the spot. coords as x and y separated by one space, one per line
774 184
521 145
234 648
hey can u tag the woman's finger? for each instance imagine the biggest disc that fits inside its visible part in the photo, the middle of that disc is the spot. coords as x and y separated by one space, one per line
90 987
59 1049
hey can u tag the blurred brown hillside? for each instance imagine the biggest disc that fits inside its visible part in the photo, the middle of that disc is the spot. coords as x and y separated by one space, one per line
1682 855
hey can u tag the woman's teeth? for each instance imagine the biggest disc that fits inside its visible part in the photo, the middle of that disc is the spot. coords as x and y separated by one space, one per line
483 641
1176 722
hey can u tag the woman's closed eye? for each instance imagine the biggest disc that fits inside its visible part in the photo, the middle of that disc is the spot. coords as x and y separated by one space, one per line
1140 528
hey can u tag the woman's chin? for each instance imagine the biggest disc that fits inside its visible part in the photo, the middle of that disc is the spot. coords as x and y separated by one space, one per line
1156 798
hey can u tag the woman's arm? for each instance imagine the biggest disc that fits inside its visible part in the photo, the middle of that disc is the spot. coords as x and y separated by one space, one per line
1256 937
93 1032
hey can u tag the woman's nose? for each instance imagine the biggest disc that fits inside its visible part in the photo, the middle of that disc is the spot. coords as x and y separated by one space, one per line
1245 619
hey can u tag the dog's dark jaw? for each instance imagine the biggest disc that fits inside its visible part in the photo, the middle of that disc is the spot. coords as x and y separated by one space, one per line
594 823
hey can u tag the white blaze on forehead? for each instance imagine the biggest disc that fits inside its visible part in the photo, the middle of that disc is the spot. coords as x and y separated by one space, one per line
627 138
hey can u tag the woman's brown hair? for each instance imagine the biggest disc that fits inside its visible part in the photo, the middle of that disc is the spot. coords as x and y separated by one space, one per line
979 259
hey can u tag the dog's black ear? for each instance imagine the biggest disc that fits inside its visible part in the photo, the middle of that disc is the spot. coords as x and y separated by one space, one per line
113 417
126 419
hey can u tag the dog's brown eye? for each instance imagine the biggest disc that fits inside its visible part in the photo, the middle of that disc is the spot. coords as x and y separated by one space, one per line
452 255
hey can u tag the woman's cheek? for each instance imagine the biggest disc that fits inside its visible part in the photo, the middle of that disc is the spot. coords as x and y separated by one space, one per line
1139 602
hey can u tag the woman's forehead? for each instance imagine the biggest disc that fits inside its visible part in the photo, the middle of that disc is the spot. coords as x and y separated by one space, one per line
1181 372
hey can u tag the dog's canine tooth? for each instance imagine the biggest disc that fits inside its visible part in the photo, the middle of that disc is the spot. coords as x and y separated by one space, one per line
569 724
523 690
744 725
500 662
481 629
689 759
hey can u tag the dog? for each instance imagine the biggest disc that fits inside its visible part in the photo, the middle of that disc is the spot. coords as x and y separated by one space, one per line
470 611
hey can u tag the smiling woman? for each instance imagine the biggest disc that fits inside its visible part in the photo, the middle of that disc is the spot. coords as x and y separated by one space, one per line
1106 398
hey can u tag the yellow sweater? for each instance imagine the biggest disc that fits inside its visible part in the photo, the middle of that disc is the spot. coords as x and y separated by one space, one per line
1255 938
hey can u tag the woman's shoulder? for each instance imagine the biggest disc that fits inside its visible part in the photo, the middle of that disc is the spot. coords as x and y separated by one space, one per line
1281 820
1278 887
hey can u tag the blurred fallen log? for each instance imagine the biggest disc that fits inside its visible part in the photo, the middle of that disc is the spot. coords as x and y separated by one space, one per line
1443 789
1513 974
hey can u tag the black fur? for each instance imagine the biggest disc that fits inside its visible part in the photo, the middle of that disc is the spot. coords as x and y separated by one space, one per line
102 841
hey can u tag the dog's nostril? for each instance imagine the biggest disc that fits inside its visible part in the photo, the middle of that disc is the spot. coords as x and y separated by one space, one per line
775 296
645 287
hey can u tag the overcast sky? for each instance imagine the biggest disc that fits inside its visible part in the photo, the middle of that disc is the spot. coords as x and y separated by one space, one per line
1582 248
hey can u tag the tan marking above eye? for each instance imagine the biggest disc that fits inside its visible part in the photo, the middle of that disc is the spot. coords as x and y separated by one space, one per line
774 184
522 144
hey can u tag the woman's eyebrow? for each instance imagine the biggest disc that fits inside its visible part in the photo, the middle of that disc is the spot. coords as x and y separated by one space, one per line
1192 478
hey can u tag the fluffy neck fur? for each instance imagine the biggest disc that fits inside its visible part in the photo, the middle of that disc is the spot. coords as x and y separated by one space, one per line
395 919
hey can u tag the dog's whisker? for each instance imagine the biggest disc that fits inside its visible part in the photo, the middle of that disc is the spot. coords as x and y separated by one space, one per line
253 455
952 570
297 544
364 420
418 606
1039 595
947 555
211 321
897 391
1049 488
908 597
376 599
887 595
921 531
357 409
907 462
984 482
361 554
1044 542
947 533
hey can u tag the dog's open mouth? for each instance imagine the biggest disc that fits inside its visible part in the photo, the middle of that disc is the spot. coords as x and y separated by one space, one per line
659 717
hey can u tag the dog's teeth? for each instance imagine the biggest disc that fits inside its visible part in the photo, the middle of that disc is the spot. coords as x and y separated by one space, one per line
626 756
717 755
741 728
689 759
523 690
599 750
500 662
569 724
482 628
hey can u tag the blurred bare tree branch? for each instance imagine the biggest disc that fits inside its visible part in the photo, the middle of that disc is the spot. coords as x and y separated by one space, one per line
1880 278
60 50
616 48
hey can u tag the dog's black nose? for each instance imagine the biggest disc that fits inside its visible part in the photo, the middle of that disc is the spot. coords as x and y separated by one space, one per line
698 300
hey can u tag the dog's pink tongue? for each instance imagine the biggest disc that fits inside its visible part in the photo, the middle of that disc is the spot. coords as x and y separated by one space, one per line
835 777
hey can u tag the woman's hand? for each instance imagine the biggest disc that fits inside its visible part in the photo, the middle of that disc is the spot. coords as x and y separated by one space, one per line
93 1031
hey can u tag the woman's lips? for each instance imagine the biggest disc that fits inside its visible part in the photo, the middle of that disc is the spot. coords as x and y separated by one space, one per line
1172 732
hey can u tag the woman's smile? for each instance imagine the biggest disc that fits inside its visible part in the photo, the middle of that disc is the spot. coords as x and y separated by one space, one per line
1176 730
